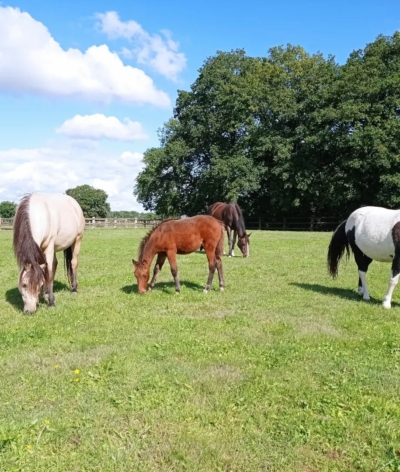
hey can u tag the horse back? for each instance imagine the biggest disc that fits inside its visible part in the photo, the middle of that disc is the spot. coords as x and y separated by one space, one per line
371 229
55 219
216 210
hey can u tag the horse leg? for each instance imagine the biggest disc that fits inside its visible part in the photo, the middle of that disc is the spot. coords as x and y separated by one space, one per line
234 242
394 279
51 264
220 274
228 232
212 265
76 247
174 269
362 262
159 263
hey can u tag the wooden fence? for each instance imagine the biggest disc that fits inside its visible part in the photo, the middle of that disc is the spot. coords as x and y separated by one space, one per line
285 224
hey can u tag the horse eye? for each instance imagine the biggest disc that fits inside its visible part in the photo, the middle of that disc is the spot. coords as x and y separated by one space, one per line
24 285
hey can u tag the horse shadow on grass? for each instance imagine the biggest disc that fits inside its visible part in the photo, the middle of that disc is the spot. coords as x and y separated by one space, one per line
14 298
344 293
163 287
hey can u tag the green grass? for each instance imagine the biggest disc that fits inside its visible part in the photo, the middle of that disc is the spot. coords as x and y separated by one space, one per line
285 371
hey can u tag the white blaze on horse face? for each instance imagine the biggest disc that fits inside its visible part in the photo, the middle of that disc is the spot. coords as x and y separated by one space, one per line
30 299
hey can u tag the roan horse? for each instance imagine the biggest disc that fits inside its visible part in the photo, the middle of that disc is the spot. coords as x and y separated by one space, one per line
172 237
231 215
44 225
373 233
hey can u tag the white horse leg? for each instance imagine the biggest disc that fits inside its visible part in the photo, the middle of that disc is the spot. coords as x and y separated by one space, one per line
363 278
234 242
393 281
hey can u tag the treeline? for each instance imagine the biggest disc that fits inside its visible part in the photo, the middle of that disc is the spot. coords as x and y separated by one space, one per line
131 214
290 134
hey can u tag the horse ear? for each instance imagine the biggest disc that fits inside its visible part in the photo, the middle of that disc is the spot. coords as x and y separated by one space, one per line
144 262
249 235
27 266
134 262
43 266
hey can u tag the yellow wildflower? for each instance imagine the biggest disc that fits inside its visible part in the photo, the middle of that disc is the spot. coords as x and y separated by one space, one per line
47 421
56 366
29 447
77 371
76 380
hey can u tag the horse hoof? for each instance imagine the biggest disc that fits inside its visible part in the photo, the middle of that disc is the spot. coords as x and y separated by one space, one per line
177 293
367 299
149 289
74 292
205 291
387 305
221 289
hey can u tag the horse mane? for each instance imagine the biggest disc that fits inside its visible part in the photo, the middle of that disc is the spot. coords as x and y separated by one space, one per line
145 239
25 248
240 224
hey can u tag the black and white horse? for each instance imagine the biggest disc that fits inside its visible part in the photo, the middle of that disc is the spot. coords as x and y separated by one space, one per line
373 233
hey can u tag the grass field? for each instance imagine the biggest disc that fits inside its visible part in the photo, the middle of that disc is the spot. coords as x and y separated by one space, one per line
285 371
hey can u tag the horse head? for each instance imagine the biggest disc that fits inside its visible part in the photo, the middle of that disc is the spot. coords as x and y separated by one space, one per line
244 244
31 280
142 274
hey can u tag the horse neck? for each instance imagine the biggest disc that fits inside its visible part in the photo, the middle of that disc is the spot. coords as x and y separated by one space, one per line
149 251
240 226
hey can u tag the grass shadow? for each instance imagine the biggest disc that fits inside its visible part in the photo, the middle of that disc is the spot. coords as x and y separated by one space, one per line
163 287
13 297
345 293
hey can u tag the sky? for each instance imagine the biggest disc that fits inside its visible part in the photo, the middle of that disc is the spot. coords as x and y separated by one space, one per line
85 85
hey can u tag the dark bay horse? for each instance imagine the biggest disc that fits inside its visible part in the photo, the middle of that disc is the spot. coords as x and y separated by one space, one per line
183 236
372 233
231 215
44 225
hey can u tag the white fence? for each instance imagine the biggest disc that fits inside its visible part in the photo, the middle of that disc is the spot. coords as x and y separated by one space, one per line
93 223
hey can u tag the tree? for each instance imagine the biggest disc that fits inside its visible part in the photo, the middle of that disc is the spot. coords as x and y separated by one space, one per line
93 201
7 209
290 134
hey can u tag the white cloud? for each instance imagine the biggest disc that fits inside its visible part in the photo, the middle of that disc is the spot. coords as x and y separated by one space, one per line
99 126
31 61
55 170
159 52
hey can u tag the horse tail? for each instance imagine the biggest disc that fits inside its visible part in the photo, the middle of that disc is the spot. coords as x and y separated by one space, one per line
337 247
219 250
68 263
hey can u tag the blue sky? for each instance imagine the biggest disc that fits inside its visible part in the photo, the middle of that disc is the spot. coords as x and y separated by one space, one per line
84 86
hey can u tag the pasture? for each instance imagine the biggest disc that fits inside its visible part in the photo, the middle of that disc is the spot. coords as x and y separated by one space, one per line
287 370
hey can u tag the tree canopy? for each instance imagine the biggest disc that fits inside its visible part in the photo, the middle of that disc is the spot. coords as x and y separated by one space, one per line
288 134
7 209
93 201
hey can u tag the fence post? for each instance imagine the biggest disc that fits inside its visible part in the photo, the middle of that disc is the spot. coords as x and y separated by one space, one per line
115 223
284 224
259 223
93 222
312 223
135 222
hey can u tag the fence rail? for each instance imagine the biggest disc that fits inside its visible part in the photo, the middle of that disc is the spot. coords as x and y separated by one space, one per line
285 224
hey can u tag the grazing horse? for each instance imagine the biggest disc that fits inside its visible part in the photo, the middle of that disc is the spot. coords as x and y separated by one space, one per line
44 225
231 215
373 233
183 236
